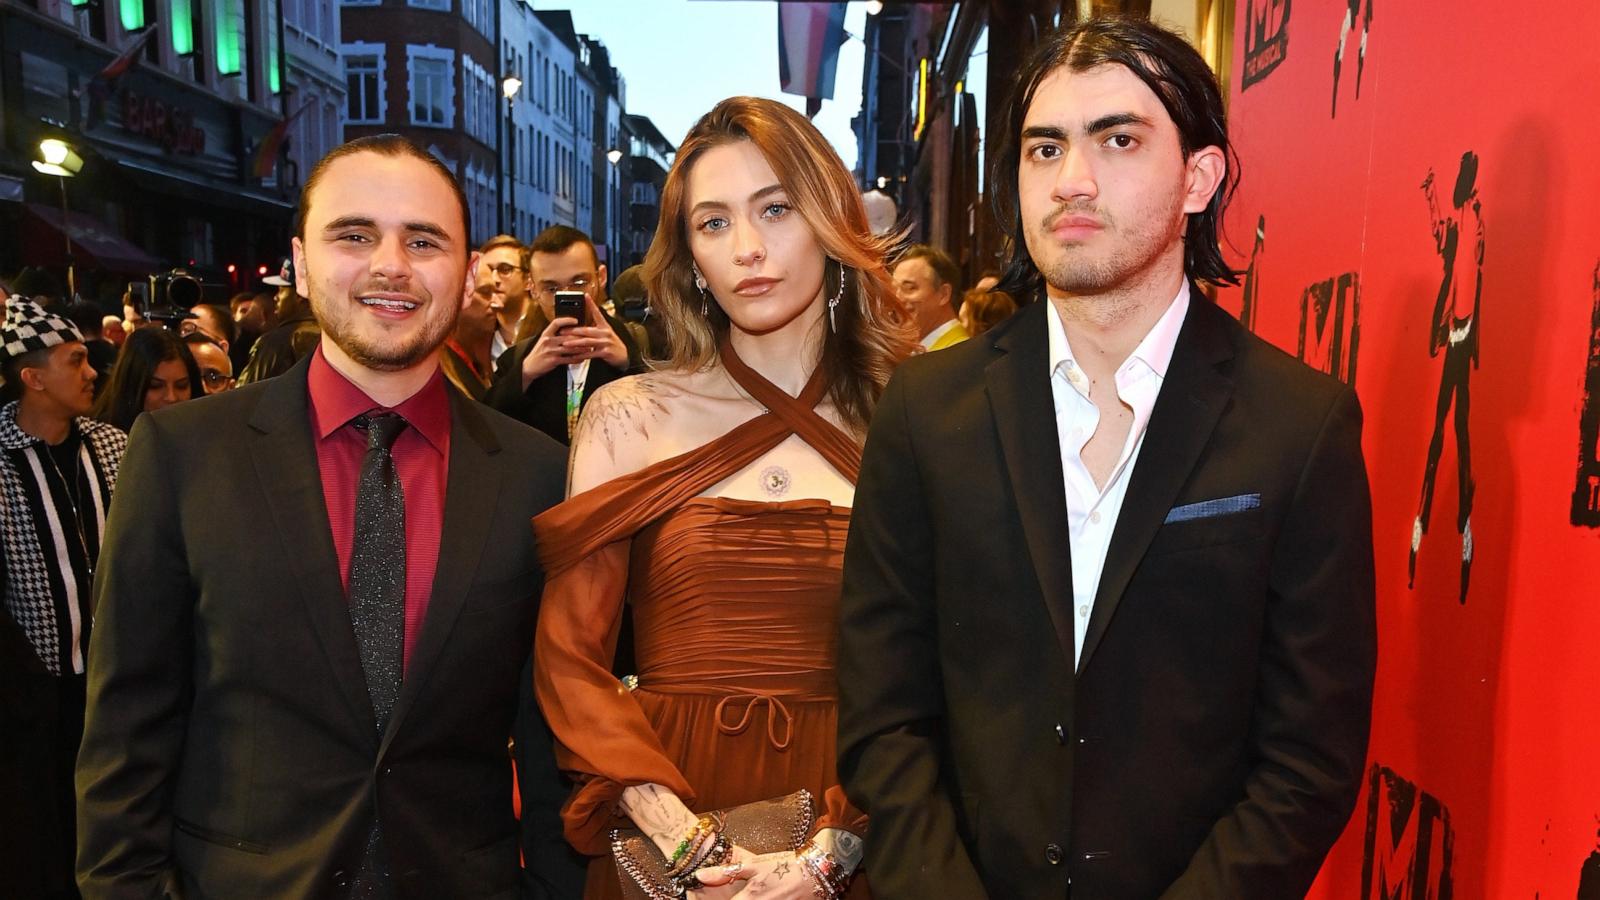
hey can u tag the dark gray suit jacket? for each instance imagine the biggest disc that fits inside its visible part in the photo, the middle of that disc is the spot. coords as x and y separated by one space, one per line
230 749
1211 741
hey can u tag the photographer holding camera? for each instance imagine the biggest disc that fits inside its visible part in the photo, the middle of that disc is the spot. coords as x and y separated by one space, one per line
568 347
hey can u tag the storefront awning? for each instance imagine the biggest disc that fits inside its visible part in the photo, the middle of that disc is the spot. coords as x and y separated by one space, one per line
93 243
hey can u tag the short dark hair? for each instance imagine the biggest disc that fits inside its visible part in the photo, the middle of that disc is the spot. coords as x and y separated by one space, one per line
12 368
87 316
1178 76
383 145
230 328
944 268
557 238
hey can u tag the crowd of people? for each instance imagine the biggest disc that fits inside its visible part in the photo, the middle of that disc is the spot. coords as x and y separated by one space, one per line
778 566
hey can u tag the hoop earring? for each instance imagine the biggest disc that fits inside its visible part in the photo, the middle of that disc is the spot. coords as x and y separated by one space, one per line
700 282
833 302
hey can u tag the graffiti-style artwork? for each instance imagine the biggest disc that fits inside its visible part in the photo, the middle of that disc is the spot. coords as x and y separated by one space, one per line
1454 332
1330 326
1252 278
1409 842
1266 39
1354 10
1589 876
1586 496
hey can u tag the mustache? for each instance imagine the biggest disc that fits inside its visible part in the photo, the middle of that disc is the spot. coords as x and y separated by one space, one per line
1075 209
415 292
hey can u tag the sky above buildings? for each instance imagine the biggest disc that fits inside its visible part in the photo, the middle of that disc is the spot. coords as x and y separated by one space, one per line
679 57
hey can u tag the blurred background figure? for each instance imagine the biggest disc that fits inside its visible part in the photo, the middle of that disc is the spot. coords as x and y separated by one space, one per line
504 267
216 369
988 281
154 370
295 334
213 321
928 282
254 313
56 474
631 304
38 285
982 310
111 329
91 324
465 358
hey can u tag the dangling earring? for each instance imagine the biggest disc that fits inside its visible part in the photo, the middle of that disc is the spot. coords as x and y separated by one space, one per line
700 282
833 302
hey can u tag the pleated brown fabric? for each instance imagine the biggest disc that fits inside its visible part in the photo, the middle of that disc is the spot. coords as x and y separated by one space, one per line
735 606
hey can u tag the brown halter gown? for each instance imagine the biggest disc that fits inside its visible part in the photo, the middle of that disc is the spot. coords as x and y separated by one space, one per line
735 606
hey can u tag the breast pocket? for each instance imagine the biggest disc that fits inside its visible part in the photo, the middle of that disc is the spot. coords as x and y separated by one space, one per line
1208 531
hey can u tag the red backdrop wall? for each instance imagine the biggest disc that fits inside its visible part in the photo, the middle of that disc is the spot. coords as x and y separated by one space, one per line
1485 755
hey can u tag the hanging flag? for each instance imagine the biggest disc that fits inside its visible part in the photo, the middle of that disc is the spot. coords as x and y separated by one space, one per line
266 156
105 81
809 37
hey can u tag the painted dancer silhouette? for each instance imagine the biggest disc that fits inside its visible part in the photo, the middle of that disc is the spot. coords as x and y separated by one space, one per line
1348 26
1457 336
1252 278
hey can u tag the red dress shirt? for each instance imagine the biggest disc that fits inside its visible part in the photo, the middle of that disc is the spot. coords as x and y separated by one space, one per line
421 458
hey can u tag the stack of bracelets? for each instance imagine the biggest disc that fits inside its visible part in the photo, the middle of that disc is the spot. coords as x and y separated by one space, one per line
705 846
829 878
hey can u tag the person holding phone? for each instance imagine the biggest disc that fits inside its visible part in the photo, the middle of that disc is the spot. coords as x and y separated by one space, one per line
567 347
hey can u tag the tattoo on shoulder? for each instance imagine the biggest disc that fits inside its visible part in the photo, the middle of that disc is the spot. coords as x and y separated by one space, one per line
622 410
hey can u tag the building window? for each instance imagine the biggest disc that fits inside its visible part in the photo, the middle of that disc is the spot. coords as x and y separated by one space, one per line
430 71
364 83
360 2
441 5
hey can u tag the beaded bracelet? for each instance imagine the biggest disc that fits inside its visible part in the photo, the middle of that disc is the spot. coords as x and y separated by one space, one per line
683 855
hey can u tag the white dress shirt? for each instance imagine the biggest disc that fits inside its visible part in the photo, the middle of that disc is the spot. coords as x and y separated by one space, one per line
1092 511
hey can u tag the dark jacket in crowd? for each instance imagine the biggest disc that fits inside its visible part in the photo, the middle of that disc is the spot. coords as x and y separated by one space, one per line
544 404
276 352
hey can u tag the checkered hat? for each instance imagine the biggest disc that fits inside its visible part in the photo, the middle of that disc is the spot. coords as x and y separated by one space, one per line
28 328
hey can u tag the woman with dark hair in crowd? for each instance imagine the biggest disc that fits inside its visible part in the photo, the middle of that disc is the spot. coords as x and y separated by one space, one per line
727 542
154 369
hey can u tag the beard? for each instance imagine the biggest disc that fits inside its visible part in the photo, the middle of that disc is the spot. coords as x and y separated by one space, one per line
1127 251
378 348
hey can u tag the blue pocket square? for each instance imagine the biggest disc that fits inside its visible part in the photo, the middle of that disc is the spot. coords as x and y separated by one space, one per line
1206 509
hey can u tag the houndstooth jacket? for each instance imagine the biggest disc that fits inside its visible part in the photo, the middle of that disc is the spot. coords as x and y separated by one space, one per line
35 568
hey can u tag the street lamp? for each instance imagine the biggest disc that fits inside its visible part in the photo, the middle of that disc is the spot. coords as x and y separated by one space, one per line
874 7
614 156
56 157
509 86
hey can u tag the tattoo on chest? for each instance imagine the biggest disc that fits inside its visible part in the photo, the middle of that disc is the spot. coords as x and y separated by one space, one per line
775 481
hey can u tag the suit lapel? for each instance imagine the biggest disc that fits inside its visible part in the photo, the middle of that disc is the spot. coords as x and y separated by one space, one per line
1018 385
471 486
1193 396
285 457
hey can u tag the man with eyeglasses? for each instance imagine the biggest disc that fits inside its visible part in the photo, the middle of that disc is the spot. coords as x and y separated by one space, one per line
557 364
216 369
503 266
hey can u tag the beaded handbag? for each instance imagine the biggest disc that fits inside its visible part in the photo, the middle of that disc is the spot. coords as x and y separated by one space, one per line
766 826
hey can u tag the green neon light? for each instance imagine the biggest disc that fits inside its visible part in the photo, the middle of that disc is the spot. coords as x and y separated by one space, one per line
132 14
230 28
182 28
274 62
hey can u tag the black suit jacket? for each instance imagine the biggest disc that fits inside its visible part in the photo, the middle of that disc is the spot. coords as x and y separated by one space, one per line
544 404
230 749
1211 741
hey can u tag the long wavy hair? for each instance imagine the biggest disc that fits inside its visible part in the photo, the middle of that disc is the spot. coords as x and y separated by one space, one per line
146 348
874 333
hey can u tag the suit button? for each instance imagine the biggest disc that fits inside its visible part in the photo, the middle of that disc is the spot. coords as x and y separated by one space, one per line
1052 854
341 879
1061 734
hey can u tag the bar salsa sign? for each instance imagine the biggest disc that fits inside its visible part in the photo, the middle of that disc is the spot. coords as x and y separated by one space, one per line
171 127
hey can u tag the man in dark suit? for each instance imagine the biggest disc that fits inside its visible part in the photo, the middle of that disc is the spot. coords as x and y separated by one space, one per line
327 714
557 363
1147 672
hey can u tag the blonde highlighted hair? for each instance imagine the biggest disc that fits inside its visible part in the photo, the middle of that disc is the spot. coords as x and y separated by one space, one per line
873 332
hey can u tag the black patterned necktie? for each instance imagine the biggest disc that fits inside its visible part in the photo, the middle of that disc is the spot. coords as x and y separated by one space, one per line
378 602
378 564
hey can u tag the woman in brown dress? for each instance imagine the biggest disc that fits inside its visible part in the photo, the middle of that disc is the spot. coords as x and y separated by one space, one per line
713 495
